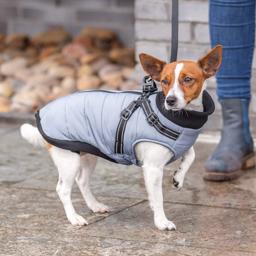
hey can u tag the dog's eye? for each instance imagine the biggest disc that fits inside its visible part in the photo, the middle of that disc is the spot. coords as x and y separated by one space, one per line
187 80
164 82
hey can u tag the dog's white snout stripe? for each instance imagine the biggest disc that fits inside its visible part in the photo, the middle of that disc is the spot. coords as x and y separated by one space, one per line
176 90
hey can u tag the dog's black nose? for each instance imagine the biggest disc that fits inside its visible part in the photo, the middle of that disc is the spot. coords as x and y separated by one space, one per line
171 100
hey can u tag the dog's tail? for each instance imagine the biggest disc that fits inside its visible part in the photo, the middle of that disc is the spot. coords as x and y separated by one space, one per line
31 134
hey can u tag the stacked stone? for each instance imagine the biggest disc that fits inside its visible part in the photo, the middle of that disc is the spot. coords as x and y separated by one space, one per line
35 70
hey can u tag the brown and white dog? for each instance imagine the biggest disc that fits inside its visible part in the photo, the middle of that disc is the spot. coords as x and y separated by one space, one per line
182 83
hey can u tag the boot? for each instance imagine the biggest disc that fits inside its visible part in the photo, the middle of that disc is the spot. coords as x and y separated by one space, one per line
235 151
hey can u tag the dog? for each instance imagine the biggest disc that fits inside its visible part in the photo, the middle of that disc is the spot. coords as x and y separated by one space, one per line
183 87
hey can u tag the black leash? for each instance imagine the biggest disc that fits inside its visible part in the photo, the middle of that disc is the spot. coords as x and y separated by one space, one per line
175 30
149 87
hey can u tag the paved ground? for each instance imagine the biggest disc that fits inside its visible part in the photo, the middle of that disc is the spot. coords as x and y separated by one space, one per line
211 219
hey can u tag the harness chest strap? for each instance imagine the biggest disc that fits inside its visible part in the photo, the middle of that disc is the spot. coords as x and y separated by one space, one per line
153 120
125 115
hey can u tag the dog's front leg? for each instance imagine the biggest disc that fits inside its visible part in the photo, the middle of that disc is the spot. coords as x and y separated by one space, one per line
186 162
153 180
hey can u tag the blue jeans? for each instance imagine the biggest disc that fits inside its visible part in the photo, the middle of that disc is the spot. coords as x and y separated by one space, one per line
232 24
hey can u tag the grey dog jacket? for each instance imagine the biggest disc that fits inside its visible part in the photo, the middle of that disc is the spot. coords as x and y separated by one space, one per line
87 122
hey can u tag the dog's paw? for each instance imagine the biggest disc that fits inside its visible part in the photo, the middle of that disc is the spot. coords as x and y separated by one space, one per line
177 180
99 208
77 220
165 224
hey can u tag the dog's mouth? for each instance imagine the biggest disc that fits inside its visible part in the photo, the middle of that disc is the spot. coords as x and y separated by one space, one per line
173 107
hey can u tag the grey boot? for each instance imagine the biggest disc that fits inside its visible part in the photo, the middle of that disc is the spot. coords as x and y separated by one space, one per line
235 151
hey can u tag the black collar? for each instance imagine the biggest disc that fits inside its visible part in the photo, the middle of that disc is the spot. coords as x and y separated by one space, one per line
187 118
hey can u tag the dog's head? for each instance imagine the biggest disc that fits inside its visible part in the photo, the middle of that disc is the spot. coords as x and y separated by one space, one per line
183 81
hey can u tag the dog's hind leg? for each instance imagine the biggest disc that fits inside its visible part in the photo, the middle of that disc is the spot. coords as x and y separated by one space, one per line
88 163
68 165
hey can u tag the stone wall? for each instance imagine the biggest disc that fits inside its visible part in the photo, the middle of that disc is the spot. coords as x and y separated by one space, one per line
84 48
153 35
153 28
33 16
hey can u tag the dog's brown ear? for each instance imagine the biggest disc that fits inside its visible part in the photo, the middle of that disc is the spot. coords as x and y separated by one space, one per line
152 65
211 62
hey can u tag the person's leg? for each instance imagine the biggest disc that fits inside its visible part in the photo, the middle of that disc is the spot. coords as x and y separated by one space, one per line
232 24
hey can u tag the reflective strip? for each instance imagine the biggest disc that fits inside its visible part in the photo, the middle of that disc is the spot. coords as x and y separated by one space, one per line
125 115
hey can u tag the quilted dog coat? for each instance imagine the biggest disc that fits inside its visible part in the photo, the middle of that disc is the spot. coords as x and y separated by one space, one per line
87 122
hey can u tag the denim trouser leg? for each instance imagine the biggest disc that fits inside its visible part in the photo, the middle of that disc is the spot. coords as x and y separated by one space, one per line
232 24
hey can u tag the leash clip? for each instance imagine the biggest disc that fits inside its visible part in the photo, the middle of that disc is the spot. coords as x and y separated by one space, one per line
149 86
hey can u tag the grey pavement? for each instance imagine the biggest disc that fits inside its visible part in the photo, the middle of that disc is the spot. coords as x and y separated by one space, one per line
211 218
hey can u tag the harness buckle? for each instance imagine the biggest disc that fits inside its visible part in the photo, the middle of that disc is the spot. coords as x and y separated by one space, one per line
149 86
125 114
152 119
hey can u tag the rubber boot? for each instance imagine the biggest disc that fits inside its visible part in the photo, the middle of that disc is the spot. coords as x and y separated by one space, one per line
235 151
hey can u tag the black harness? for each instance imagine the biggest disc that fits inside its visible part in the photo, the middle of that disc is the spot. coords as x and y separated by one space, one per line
149 87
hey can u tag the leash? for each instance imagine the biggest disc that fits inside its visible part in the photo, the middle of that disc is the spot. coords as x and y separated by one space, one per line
175 30
149 87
